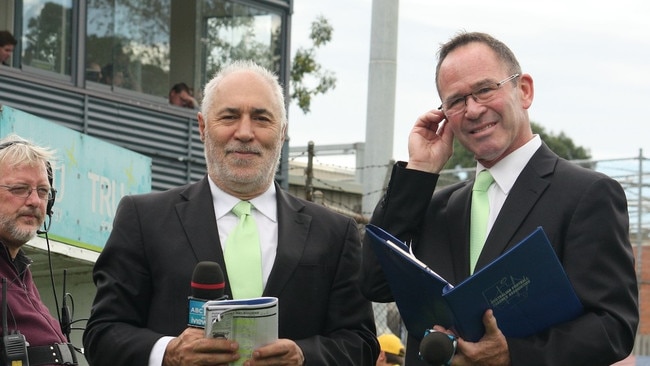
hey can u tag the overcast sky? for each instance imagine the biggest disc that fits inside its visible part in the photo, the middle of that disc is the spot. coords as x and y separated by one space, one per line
590 62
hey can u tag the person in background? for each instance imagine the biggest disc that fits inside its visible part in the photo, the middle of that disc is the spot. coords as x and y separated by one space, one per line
94 72
310 255
181 95
26 195
485 101
7 44
112 75
391 350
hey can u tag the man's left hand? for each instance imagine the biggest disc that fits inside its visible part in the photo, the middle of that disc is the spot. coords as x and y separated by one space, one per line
283 352
490 350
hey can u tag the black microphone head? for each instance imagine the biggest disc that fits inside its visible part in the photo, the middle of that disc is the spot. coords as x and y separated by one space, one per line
437 348
207 281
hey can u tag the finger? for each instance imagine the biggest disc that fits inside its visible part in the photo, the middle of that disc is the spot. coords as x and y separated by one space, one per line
490 322
439 328
431 119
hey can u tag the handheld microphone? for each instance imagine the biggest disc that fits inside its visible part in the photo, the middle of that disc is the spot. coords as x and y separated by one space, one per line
437 348
207 284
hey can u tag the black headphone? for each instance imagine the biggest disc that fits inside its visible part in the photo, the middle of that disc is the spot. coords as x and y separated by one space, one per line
50 176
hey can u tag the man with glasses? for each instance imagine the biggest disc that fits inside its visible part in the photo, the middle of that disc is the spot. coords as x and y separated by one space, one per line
485 101
26 196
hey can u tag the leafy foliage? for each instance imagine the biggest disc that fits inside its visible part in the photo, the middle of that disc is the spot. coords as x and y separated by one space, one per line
305 70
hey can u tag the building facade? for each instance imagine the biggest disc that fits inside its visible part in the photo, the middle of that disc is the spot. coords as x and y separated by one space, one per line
105 67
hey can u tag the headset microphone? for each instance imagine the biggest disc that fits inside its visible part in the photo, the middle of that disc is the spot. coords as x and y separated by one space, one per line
207 284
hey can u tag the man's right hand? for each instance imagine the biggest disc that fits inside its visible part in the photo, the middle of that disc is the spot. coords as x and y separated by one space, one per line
193 348
431 143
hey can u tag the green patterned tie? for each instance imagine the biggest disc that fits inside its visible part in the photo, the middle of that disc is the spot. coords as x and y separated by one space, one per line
242 255
479 218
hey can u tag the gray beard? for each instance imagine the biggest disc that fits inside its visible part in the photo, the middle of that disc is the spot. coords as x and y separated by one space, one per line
259 181
14 232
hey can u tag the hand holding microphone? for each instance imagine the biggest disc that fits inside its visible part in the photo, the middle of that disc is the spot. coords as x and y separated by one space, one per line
438 348
207 284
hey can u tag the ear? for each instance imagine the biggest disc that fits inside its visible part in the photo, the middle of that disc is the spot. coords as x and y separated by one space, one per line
526 90
199 116
284 132
382 356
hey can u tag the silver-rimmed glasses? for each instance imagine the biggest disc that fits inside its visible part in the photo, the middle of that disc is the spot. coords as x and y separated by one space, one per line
482 94
24 191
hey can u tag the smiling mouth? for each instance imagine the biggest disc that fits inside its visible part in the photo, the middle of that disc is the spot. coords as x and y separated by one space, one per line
244 153
488 126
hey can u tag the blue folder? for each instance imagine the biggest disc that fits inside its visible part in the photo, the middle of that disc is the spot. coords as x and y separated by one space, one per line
526 287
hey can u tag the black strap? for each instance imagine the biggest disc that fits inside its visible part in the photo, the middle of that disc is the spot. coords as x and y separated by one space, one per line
56 354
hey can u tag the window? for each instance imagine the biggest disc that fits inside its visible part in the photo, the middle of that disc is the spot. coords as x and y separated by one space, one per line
47 35
234 31
127 44
149 45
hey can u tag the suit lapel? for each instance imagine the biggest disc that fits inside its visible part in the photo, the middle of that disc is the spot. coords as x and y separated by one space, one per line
293 228
527 190
196 214
458 220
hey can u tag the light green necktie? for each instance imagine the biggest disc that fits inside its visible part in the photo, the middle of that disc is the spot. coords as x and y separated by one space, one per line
242 255
479 219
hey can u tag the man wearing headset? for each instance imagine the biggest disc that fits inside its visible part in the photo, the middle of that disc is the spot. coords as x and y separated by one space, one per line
33 336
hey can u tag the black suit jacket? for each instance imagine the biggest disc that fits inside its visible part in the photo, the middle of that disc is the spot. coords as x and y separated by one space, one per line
143 278
584 214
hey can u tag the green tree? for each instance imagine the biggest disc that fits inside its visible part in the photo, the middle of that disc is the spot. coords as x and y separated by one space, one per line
306 71
561 144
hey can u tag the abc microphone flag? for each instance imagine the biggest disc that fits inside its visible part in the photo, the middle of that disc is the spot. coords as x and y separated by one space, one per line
207 284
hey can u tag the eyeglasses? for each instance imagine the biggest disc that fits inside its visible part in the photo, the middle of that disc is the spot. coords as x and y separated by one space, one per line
24 191
482 95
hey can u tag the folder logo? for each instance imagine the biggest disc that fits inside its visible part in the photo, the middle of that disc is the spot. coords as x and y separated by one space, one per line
506 292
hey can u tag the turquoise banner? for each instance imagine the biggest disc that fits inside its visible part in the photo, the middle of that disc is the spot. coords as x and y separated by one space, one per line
90 176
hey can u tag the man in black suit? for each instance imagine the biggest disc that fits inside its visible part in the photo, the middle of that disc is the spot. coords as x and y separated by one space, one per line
584 213
310 255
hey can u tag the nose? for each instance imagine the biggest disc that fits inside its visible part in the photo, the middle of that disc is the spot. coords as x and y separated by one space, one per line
473 108
33 199
245 129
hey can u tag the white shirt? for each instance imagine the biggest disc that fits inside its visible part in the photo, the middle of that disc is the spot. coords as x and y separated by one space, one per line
505 173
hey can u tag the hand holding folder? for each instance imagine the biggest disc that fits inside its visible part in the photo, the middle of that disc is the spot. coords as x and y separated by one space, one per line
526 287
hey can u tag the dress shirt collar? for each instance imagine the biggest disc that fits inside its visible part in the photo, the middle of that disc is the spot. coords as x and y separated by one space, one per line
506 171
224 202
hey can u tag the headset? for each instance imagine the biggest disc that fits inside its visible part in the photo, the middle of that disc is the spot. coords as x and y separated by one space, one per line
50 176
